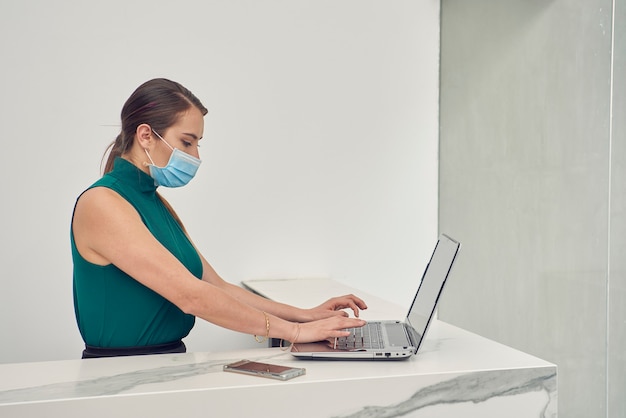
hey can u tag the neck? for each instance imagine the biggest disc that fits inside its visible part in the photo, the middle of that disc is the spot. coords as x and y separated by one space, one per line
138 161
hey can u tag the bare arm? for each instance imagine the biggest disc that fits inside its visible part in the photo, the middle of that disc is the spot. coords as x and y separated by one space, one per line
107 229
333 307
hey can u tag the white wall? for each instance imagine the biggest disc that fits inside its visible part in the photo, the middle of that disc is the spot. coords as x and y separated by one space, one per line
320 149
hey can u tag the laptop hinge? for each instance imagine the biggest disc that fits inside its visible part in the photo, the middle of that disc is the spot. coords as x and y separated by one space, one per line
414 337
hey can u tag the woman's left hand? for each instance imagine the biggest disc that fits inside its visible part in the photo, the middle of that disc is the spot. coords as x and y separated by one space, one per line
334 307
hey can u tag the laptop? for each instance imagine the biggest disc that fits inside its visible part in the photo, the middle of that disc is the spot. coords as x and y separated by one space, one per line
389 339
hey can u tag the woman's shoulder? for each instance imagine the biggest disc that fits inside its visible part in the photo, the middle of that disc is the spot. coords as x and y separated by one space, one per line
107 188
100 197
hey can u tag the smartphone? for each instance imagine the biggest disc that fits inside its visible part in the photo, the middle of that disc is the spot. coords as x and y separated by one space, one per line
273 371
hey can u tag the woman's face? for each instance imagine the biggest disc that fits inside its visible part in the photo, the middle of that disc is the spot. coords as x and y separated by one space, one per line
184 135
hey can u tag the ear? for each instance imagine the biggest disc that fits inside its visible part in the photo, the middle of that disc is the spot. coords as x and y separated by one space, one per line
144 136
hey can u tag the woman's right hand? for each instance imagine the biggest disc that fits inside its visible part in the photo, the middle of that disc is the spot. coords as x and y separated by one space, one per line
323 329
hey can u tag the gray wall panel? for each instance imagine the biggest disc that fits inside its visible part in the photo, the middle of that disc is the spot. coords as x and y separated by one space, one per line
524 181
617 277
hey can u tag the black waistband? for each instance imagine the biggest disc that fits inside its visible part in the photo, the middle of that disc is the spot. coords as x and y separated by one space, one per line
95 352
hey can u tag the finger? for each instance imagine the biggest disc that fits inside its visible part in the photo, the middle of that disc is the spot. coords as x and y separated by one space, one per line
350 323
354 308
335 314
354 300
359 302
338 333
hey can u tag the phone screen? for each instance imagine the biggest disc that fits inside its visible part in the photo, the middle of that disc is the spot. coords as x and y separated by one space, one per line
263 367
274 371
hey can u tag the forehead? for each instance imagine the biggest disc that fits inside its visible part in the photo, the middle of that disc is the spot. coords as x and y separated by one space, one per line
190 121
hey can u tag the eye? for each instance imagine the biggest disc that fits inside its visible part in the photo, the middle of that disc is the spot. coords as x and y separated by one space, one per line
186 144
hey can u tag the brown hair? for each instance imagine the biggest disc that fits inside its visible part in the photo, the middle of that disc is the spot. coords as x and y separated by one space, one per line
158 103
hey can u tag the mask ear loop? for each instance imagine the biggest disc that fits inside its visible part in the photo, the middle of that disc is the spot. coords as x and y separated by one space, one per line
161 138
150 158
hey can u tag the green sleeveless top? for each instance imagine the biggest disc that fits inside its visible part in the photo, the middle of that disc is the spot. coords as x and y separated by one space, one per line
114 310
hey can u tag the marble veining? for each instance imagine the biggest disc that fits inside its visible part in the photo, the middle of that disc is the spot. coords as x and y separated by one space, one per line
474 387
116 384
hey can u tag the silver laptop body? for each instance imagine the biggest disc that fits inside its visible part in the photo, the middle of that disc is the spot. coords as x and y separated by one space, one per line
393 340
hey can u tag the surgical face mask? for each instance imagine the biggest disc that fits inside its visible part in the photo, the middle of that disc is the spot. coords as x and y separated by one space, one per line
180 168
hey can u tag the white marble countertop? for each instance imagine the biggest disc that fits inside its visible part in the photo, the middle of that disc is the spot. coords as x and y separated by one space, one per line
446 350
454 367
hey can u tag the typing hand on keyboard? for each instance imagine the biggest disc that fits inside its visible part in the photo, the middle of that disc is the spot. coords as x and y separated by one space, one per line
366 337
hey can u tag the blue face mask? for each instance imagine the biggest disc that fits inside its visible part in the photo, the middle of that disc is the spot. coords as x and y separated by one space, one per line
180 169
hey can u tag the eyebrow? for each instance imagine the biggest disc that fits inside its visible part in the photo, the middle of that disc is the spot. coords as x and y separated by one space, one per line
194 136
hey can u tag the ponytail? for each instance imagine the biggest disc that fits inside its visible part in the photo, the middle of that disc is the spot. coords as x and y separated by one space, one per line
114 150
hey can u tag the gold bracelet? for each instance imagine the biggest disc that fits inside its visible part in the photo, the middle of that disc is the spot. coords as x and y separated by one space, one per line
267 330
295 339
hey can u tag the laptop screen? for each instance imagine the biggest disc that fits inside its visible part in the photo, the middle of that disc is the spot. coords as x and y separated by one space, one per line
431 286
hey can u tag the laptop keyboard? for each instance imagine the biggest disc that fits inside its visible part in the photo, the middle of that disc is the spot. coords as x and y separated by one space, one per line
366 337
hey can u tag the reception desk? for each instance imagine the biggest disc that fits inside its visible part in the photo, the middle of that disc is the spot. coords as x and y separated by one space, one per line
455 374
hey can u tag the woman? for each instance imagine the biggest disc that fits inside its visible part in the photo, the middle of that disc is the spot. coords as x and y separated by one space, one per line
139 282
